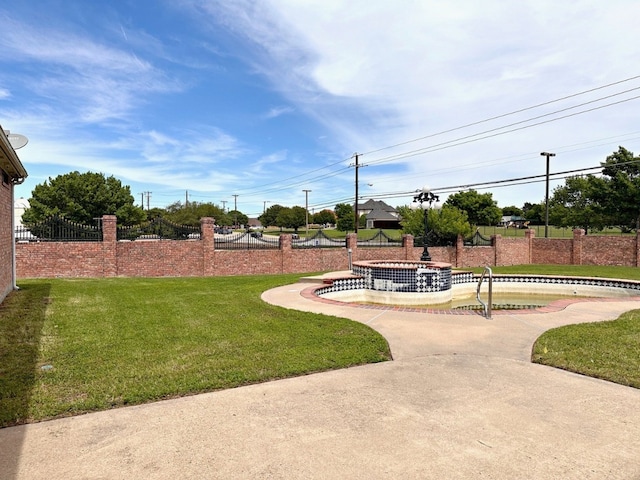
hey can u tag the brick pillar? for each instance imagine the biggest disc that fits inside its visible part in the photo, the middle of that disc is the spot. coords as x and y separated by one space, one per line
352 243
459 251
207 238
496 241
576 247
286 253
109 246
407 243
529 235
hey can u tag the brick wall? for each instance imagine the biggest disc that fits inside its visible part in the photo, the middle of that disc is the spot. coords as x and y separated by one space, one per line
160 258
6 239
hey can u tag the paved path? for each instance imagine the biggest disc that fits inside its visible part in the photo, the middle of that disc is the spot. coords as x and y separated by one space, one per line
460 400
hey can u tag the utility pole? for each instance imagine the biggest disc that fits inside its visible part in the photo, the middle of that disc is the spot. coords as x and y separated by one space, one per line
355 214
235 209
546 196
224 205
148 195
264 206
186 198
306 209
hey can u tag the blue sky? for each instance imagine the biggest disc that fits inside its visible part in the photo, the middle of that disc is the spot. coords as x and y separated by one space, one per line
251 102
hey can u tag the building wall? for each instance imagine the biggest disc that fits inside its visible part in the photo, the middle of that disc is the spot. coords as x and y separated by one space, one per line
162 258
6 238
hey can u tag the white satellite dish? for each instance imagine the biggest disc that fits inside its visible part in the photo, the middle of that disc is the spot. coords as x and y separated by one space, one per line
17 141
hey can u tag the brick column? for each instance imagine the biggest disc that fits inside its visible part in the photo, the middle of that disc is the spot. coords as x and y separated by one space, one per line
576 247
460 251
352 243
286 253
496 241
109 246
207 238
529 235
407 243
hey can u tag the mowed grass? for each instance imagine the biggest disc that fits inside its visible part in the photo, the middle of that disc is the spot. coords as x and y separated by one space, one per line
70 346
607 350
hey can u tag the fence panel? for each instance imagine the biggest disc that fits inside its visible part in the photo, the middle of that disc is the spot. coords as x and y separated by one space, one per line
318 240
157 229
58 229
246 241
380 239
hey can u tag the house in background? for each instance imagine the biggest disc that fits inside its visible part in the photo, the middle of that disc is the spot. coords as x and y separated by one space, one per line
379 215
13 173
514 221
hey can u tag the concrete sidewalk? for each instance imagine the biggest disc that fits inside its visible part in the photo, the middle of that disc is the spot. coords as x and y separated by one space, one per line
460 400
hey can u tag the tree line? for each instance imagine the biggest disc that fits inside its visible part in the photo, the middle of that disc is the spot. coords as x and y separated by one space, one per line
591 202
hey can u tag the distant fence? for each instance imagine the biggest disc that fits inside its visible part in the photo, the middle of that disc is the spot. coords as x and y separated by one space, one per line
58 229
159 251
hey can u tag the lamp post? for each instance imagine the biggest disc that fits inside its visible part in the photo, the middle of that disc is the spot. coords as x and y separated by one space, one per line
546 196
423 200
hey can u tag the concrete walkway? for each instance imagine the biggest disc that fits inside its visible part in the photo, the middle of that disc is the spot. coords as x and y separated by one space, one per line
460 401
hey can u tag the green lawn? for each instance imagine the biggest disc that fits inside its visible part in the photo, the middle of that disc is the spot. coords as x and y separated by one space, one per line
73 346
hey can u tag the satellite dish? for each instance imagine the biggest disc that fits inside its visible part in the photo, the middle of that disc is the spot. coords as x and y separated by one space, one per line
17 141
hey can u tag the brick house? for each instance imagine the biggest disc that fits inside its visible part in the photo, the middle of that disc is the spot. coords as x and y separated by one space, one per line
13 173
379 214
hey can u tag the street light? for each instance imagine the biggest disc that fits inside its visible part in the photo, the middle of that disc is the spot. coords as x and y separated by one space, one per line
423 200
546 196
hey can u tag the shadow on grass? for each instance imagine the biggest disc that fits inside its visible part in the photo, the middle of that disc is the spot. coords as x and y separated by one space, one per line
22 316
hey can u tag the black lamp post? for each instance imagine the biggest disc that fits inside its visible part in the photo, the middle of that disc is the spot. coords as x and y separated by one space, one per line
424 198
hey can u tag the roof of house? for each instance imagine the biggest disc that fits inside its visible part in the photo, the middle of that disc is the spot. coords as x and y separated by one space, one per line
9 161
381 215
376 205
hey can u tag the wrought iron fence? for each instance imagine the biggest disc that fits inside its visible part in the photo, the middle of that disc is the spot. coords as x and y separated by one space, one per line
58 229
318 240
380 239
246 241
157 229
478 240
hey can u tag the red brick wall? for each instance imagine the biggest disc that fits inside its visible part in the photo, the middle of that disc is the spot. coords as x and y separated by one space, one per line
159 258
6 239
615 251
552 251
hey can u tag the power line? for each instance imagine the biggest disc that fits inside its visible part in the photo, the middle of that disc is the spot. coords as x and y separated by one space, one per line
503 115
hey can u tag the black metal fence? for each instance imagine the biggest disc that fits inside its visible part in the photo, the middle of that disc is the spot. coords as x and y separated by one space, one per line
318 240
246 241
58 229
157 229
478 240
380 239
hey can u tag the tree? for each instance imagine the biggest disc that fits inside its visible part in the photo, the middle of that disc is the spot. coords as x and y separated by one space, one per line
619 195
534 213
573 204
83 197
270 215
191 213
344 213
294 217
511 211
443 225
237 218
324 217
481 209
